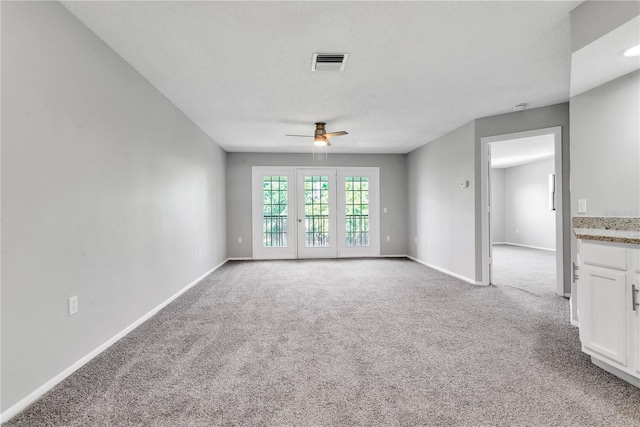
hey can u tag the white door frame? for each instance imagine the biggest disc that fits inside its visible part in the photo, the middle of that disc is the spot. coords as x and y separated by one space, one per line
556 131
291 251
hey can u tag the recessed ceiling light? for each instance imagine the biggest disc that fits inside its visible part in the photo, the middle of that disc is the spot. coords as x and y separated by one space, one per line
632 51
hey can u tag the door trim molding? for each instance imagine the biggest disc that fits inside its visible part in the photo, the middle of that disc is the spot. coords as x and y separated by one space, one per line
562 209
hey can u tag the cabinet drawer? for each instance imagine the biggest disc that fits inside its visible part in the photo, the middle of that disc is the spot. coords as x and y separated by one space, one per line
603 256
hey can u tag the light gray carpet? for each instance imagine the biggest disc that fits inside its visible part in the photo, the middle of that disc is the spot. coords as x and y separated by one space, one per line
344 342
532 270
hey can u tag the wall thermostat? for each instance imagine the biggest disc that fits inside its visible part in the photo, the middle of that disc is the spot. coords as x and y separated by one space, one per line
464 184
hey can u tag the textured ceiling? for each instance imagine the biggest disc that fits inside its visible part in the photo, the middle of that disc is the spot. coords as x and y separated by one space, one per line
241 70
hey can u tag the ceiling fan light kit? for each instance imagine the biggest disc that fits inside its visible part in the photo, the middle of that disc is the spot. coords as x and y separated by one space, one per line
321 141
321 136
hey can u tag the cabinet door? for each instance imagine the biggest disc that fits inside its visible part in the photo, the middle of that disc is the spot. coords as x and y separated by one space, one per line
635 322
603 313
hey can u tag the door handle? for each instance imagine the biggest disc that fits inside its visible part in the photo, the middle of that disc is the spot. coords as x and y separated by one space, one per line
299 220
634 301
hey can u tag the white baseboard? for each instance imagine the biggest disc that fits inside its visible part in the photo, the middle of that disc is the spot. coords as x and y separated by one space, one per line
241 258
525 246
442 270
40 391
574 323
394 256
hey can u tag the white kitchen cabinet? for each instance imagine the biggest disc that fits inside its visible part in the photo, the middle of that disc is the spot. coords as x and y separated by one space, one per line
609 319
603 316
635 317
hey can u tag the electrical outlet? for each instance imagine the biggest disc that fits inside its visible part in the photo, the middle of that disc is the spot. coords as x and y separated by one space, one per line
239 239
199 252
388 238
384 210
73 305
517 231
415 239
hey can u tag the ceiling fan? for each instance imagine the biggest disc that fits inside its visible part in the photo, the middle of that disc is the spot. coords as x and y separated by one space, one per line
321 136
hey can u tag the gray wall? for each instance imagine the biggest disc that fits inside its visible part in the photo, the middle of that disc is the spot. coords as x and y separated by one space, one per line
108 192
535 118
497 205
605 150
393 194
528 220
441 214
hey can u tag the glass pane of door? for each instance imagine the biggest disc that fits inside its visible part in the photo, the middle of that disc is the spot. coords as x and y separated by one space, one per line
316 211
357 210
274 211
316 214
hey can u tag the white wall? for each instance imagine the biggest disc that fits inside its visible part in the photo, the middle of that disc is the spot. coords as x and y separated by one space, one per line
108 191
497 205
528 220
441 214
393 194
611 110
605 150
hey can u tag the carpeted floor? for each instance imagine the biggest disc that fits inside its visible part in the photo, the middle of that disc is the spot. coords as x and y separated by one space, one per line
344 342
532 270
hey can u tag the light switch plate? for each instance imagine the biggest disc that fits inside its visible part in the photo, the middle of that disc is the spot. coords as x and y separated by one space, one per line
582 206
73 305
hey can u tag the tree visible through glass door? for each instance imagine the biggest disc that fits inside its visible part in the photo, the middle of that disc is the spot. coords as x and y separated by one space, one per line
316 211
357 211
275 211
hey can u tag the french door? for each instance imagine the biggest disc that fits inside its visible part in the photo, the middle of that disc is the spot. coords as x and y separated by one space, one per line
316 205
315 213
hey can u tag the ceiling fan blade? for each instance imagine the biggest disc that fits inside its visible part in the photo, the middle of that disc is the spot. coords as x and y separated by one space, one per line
328 143
302 136
334 134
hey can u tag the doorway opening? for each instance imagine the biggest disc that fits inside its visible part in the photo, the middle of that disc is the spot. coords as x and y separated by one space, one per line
315 213
523 207
522 230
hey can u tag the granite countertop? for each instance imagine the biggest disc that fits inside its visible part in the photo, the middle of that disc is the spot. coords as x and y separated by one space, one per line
608 229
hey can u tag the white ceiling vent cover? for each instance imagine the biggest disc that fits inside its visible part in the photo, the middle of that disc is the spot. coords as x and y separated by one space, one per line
329 61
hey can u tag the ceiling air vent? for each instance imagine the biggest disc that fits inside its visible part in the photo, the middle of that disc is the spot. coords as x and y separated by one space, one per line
329 61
